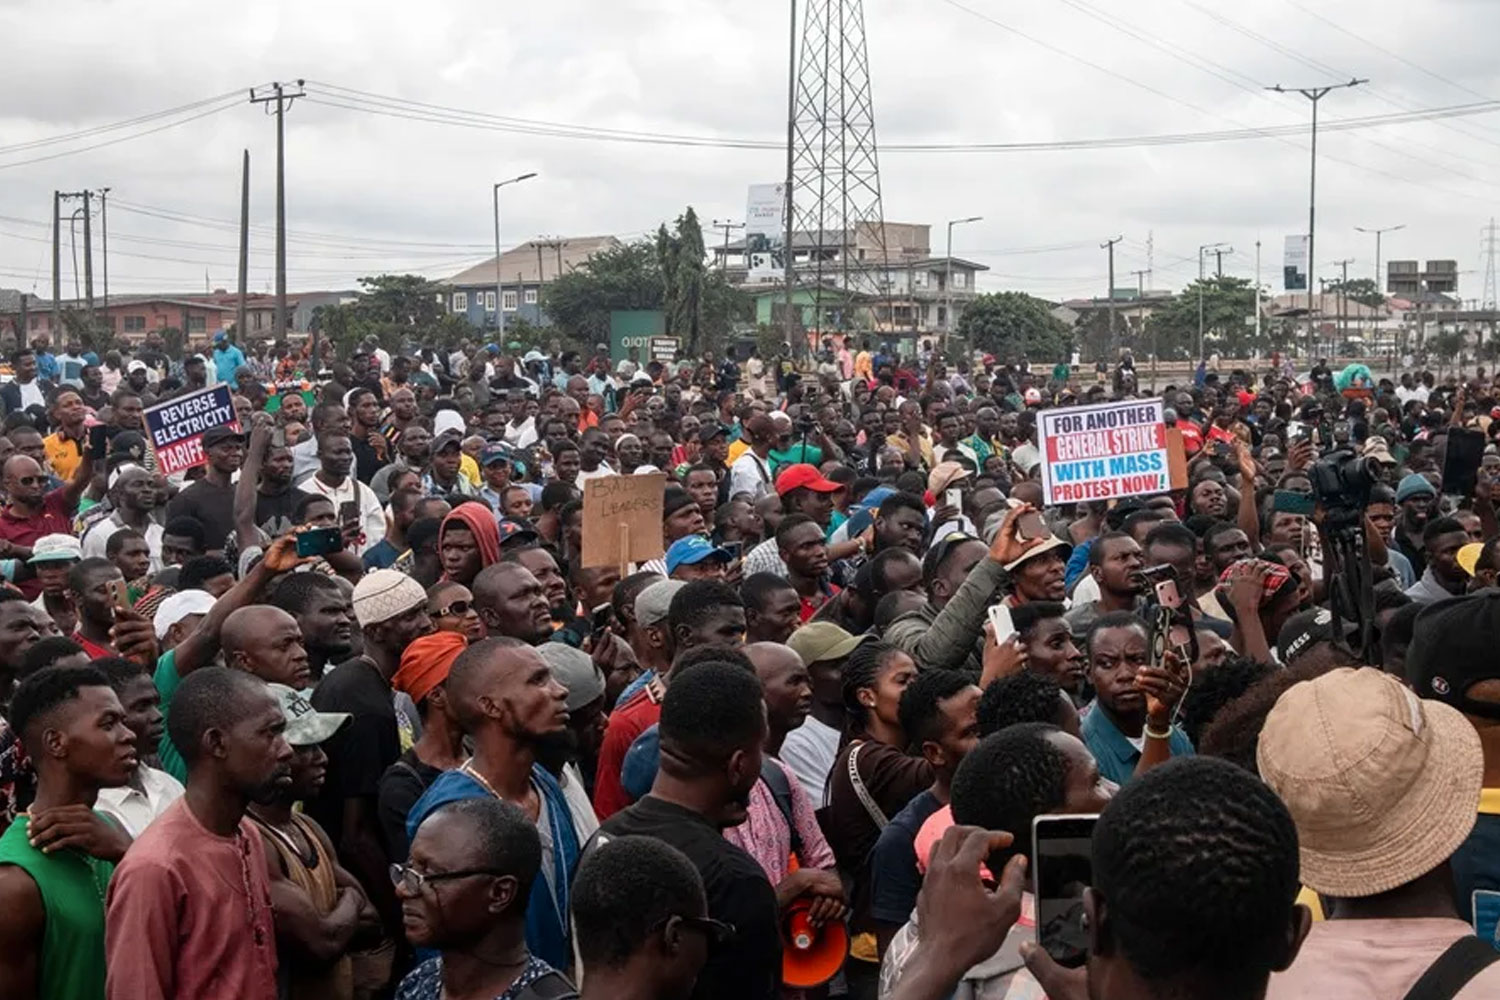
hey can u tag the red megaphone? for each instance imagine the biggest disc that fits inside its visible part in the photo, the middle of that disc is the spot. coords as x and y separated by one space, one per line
810 956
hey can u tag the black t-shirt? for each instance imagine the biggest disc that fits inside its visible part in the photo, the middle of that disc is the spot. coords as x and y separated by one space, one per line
894 877
360 752
210 504
275 512
738 892
366 461
401 786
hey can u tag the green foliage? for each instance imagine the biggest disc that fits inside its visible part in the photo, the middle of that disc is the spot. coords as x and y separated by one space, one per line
680 255
1226 303
1446 345
398 310
1013 325
1361 290
579 302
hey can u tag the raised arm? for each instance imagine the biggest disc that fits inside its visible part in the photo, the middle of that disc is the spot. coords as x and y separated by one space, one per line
72 490
1249 513
246 532
199 648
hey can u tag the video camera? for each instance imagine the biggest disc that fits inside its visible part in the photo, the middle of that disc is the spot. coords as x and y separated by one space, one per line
1341 482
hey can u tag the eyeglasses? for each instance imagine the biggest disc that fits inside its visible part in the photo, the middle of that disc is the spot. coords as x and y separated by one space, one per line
718 932
455 608
412 881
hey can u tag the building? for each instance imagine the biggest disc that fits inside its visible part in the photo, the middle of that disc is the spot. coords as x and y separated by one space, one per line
523 272
1405 278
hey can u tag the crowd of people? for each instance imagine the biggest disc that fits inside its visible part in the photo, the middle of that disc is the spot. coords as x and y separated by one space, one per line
801 753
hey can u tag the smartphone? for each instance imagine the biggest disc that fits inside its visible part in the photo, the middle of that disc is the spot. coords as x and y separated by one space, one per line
1061 868
600 618
98 442
320 541
1163 581
349 512
1000 618
119 595
1461 460
1294 502
954 498
1031 526
733 548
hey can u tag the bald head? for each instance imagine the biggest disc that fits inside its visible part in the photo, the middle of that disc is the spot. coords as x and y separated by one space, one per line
772 659
784 682
506 682
266 641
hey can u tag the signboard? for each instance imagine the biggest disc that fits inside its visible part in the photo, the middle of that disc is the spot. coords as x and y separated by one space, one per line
175 428
1105 452
631 332
622 519
664 349
765 233
1294 264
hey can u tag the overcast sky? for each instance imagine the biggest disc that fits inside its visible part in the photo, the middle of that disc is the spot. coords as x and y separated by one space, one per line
369 193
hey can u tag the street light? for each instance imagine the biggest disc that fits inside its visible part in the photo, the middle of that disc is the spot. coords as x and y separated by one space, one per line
1379 287
948 276
1201 250
499 292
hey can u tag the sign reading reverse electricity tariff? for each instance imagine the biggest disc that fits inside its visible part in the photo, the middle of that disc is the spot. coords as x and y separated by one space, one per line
176 427
1107 451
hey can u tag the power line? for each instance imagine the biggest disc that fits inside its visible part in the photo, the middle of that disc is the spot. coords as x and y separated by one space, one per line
124 138
113 126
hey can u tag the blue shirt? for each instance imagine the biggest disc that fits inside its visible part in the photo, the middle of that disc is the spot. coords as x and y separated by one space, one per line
1116 755
381 555
894 878
1078 562
642 679
1476 870
227 361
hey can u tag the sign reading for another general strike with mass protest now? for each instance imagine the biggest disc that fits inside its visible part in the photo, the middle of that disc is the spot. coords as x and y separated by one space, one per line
176 427
1107 451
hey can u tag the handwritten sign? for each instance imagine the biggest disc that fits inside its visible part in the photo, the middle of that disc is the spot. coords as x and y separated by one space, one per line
1105 452
176 426
622 519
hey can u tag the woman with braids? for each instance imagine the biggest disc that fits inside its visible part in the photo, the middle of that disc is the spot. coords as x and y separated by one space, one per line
873 779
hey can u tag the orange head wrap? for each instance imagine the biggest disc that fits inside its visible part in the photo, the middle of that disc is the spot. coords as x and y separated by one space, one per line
426 662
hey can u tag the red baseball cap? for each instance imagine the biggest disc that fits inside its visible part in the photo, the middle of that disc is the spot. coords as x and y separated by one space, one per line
803 476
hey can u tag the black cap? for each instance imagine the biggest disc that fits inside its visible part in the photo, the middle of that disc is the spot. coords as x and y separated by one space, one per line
443 440
1308 628
220 434
709 431
1453 647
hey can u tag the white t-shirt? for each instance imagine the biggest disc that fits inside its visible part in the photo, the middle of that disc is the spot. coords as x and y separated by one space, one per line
810 750
31 394
371 513
522 435
97 538
749 474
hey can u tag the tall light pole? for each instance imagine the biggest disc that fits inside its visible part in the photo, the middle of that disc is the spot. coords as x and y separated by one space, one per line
948 276
1314 95
1201 251
499 292
1379 285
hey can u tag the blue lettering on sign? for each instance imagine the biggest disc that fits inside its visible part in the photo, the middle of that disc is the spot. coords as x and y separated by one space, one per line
1072 472
1129 465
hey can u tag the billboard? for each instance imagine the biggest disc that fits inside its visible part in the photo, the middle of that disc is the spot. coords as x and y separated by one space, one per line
1294 266
765 232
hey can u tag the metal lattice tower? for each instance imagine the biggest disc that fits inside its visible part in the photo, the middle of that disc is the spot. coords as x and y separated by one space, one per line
1490 235
835 169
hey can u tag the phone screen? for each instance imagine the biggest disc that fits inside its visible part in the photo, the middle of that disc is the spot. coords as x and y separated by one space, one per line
1461 459
319 541
1061 868
733 548
349 512
1031 526
98 441
954 498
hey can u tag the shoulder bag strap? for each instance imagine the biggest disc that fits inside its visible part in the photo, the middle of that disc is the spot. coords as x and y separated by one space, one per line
1462 961
860 790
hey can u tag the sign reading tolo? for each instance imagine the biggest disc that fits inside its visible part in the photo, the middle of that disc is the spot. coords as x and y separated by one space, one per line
1103 452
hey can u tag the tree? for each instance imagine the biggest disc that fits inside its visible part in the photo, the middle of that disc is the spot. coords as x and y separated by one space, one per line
680 255
401 311
627 276
1361 290
1013 325
1173 328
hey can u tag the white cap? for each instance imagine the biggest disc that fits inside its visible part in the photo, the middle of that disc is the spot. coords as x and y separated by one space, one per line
114 477
447 420
135 366
55 548
179 606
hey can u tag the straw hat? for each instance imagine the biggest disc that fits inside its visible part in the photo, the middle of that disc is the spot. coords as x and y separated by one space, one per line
1383 786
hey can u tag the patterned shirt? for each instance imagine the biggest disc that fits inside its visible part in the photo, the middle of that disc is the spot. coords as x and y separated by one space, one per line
425 982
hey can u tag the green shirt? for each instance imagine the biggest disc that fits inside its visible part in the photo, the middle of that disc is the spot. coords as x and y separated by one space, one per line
72 885
797 453
167 683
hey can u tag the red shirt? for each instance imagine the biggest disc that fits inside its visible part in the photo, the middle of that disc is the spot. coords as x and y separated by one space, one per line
56 518
637 715
810 605
94 650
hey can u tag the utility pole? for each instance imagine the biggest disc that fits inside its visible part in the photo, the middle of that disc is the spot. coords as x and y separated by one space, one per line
1313 95
1140 320
1344 300
1114 336
948 277
1379 281
499 291
1219 262
104 255
240 315
88 254
1257 294
56 264
282 96
1201 251
727 227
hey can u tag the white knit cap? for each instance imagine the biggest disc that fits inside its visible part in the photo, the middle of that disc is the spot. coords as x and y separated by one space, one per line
384 594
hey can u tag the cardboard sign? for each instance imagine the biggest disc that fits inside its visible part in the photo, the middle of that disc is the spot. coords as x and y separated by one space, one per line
622 519
1105 452
175 428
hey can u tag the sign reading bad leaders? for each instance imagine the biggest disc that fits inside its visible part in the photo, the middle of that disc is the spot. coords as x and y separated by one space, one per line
176 427
1105 452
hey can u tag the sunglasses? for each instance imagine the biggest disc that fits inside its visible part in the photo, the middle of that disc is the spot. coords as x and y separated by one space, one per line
455 608
413 881
31 480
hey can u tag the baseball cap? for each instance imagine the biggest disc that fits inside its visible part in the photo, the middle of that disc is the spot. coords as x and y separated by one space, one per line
55 548
709 431
690 550
519 532
443 440
1453 647
944 475
1033 397
1307 628
494 453
1468 556
220 434
803 476
1413 485
136 366
652 602
575 670
534 355
1377 448
817 641
305 725
178 606
1381 784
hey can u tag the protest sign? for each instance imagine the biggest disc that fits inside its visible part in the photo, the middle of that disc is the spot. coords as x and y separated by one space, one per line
1105 452
176 427
622 519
